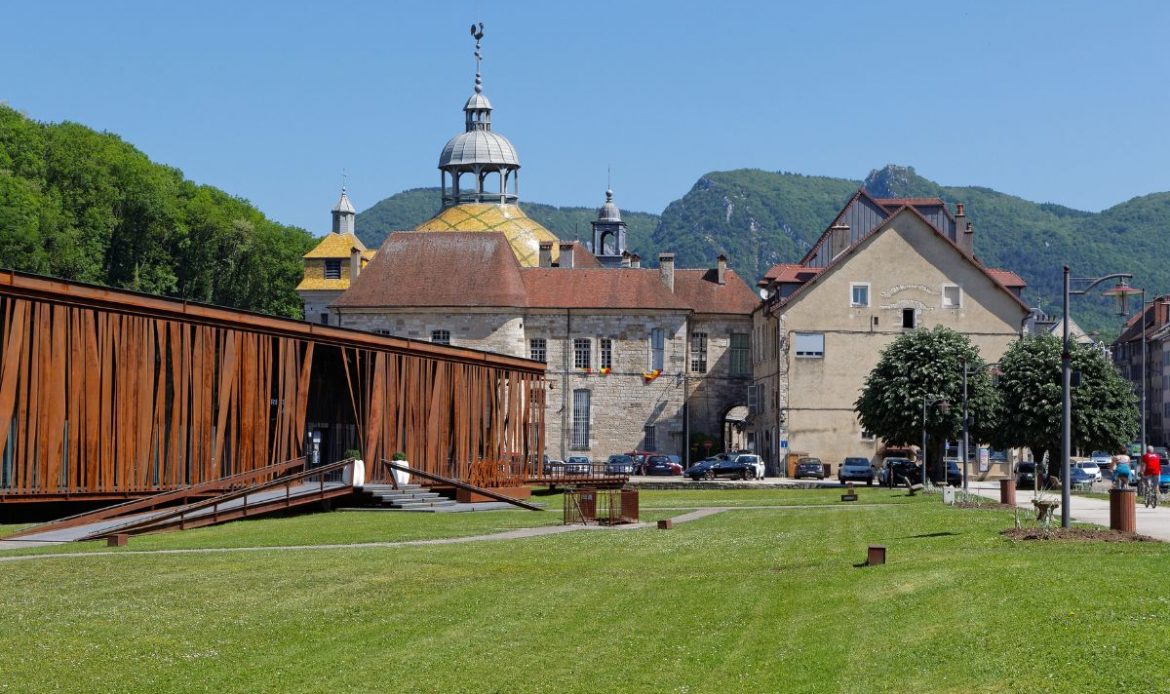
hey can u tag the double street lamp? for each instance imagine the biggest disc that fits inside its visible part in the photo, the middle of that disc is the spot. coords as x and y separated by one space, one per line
1122 291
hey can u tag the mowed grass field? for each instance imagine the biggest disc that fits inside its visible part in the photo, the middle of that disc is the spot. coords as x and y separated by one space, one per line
760 598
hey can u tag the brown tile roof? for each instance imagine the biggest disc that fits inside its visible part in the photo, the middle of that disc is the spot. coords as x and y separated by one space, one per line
1006 277
635 288
789 272
448 269
699 290
336 246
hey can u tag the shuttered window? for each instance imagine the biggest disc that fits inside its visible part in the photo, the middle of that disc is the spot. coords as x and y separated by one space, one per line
581 419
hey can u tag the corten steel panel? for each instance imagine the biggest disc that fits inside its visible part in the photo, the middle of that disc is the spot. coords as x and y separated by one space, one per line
111 393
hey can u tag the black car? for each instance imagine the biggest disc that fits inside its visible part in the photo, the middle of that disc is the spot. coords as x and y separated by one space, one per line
899 471
809 467
660 465
954 474
619 465
1026 476
713 467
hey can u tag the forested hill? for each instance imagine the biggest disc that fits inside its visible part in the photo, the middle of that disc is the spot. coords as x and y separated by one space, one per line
86 206
408 209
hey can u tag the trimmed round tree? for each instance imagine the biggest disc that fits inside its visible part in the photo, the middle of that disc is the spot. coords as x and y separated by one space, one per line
927 365
1104 407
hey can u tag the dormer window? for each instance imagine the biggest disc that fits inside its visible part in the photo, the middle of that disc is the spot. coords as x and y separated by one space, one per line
332 269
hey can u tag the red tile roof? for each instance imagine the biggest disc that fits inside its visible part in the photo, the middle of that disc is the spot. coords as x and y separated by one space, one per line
635 288
449 269
1006 277
700 290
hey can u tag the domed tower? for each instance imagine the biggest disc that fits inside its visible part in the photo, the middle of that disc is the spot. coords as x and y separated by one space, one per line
479 172
609 233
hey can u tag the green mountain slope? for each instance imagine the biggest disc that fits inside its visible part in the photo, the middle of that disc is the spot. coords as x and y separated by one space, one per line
83 205
408 209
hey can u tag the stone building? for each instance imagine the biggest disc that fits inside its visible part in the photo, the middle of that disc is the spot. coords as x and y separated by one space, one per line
883 267
638 358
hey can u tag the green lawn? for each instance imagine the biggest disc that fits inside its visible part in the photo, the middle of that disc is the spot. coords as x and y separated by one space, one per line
749 600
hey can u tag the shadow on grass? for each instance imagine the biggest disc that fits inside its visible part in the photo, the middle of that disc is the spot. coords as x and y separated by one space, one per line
946 533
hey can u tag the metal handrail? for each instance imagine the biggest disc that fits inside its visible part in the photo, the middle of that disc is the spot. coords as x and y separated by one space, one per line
181 511
154 500
394 465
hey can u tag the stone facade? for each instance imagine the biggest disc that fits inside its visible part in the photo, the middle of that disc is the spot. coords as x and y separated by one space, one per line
722 385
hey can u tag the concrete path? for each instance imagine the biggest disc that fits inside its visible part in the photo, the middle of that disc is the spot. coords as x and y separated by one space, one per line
1154 522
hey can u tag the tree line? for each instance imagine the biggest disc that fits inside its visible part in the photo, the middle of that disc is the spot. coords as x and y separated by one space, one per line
86 206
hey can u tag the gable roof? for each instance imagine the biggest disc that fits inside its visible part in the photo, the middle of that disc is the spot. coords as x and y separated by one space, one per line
886 224
416 269
1007 278
628 288
701 290
788 272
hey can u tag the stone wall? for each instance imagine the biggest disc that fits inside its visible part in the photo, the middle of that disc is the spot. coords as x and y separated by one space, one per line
714 392
486 330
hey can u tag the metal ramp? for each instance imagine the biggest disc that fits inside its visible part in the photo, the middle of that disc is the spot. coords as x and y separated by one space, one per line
143 516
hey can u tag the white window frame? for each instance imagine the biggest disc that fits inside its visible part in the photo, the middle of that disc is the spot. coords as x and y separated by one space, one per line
958 303
582 353
867 435
805 345
699 353
605 352
853 287
538 349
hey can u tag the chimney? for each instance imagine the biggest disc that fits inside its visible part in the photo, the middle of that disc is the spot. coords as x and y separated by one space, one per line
566 254
721 269
636 260
968 242
545 254
355 263
666 270
626 259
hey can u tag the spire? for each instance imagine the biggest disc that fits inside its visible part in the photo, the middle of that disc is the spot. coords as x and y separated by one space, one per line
478 110
477 35
343 215
609 233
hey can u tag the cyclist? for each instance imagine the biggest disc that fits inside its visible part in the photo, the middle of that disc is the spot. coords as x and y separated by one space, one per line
1121 471
1151 469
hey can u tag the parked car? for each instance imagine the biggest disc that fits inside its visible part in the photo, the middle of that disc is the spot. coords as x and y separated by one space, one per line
855 469
954 473
896 471
661 465
809 467
1103 460
699 469
756 463
1078 475
619 465
1025 475
1164 480
1090 467
578 465
552 466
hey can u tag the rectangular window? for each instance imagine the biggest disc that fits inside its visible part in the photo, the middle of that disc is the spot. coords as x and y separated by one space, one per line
867 435
810 345
581 420
381 331
859 294
753 398
332 269
657 348
582 347
699 353
741 364
907 318
441 337
606 346
650 434
952 296
324 319
538 349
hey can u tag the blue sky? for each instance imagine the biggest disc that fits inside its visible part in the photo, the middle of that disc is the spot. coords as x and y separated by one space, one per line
1052 101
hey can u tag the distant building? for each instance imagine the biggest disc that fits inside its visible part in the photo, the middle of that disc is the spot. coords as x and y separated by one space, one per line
1153 324
882 268
332 264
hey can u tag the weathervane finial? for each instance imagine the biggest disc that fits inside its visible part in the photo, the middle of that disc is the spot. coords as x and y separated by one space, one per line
477 34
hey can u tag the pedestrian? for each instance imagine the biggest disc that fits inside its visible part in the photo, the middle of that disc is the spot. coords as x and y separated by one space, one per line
1121 470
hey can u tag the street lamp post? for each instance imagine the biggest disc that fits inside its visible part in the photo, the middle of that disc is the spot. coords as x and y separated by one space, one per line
966 431
1122 292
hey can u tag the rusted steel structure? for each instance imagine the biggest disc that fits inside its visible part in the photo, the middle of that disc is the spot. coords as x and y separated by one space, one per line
110 394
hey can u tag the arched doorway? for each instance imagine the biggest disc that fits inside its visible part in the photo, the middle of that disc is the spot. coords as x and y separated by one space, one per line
734 429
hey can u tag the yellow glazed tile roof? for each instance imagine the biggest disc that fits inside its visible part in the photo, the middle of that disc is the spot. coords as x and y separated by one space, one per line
318 283
523 233
336 246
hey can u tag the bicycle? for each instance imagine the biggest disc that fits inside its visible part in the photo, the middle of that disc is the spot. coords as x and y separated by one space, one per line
1148 488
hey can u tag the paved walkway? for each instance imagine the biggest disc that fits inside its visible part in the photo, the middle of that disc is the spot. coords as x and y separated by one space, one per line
1154 522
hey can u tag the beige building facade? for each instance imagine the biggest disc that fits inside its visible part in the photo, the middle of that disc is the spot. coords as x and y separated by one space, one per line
824 325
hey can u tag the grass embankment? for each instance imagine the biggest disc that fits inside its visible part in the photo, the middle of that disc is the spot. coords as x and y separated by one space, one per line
751 600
